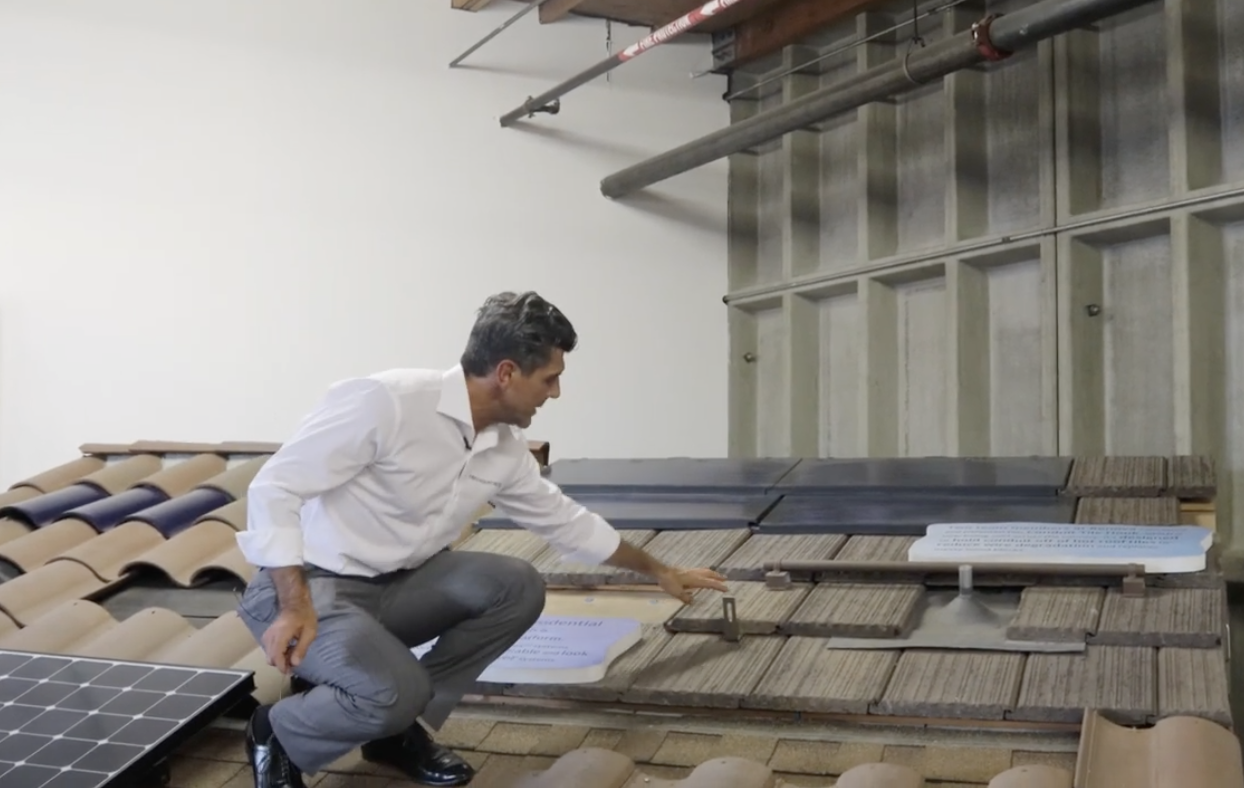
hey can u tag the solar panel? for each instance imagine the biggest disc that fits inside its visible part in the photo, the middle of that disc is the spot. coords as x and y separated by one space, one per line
77 722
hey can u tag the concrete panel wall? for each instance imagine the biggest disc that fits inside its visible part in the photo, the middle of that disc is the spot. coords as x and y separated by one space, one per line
1042 255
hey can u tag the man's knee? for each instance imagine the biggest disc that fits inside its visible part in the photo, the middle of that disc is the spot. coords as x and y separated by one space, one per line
524 586
386 705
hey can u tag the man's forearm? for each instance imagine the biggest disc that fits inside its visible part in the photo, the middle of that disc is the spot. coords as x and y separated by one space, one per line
628 556
291 587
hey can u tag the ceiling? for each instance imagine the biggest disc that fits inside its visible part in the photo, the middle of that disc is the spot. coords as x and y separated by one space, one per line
656 13
761 27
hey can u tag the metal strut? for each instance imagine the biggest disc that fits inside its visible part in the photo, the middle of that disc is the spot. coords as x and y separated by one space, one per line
674 29
522 12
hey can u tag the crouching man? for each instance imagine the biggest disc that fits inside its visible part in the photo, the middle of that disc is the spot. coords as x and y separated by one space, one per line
350 522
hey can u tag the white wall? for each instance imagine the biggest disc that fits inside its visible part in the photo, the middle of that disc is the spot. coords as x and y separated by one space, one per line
211 209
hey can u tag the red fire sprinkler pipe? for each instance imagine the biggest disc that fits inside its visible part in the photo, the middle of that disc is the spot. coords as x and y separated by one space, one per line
549 100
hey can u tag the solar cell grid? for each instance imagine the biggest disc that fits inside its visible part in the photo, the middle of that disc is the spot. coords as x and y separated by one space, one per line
73 722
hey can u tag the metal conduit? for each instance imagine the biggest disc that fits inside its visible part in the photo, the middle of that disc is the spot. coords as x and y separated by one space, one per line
992 38
550 100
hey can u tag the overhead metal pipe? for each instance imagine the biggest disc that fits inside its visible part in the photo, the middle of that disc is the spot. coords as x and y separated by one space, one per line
545 102
992 38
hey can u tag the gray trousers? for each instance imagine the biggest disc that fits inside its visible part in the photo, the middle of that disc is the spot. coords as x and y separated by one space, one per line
368 684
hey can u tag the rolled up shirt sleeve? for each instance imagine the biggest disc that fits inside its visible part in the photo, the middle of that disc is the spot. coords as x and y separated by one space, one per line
351 427
540 506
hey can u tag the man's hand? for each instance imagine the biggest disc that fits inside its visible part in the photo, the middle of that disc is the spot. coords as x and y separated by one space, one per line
678 583
682 583
287 639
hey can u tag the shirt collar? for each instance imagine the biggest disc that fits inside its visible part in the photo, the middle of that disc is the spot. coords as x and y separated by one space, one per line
456 404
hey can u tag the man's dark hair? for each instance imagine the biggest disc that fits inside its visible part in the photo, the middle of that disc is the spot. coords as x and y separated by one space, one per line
518 327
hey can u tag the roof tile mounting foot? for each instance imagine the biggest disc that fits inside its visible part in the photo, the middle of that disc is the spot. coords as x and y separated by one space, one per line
778 581
1134 583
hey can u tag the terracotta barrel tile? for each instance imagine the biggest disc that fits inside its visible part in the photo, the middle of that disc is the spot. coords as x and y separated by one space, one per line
12 529
1176 752
881 775
235 481
119 476
16 495
186 554
36 548
8 627
27 597
107 554
231 561
180 478
1035 776
138 637
231 514
270 684
218 645
66 629
59 476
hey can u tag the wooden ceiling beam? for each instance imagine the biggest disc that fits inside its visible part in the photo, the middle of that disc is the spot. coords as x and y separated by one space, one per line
555 10
779 26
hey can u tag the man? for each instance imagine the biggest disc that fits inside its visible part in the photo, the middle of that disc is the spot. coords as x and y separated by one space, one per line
349 524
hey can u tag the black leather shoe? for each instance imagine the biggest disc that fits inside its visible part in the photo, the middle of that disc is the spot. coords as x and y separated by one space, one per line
420 759
271 766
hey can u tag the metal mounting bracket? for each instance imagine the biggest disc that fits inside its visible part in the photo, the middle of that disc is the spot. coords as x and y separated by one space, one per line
731 629
1134 582
777 581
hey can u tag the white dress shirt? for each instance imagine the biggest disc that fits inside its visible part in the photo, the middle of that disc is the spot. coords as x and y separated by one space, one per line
387 470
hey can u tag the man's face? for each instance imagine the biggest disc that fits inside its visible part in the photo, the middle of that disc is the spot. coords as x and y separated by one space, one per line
522 395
